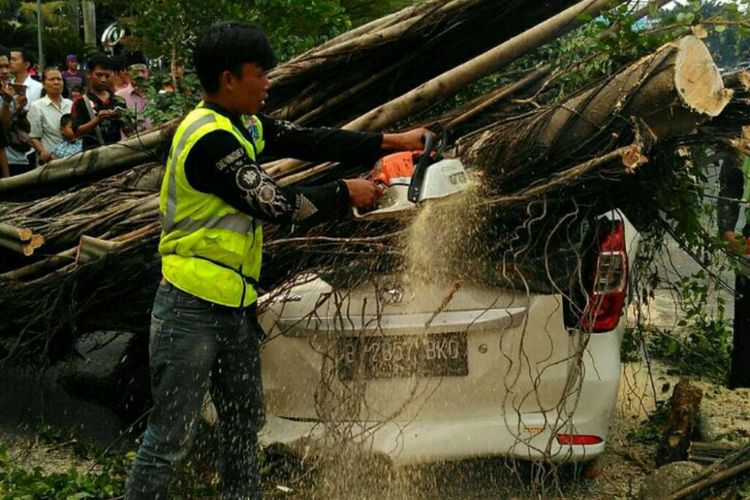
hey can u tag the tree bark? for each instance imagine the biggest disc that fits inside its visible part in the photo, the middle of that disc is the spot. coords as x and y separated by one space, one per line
103 159
666 94
396 57
682 416
459 77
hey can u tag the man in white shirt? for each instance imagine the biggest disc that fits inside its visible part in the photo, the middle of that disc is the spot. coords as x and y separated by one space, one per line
20 62
45 113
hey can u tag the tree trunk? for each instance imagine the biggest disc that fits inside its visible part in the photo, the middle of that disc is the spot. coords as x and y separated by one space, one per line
88 9
459 77
666 94
537 75
392 58
104 159
682 416
57 294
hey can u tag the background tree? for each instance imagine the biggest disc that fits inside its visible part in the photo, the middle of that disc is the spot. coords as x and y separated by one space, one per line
18 22
166 28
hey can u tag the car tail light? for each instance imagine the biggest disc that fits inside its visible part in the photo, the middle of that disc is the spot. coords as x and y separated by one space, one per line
582 439
606 295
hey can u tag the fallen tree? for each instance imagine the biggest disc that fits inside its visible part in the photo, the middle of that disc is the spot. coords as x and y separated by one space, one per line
389 57
666 94
460 76
65 218
93 163
98 233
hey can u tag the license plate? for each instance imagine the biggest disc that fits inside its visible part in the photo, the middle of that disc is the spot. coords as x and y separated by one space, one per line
433 355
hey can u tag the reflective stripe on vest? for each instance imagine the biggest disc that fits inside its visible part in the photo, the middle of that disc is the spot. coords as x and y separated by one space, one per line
209 249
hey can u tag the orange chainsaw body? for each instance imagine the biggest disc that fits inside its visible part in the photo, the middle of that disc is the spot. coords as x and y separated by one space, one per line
394 166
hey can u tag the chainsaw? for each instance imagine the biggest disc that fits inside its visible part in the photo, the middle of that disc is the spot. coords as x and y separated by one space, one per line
409 178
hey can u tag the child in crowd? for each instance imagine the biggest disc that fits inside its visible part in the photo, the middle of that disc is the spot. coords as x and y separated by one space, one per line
75 92
70 145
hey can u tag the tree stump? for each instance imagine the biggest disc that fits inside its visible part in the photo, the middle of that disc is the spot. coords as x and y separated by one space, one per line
679 423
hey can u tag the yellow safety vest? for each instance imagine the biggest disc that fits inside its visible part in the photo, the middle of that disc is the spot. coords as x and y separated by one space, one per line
209 249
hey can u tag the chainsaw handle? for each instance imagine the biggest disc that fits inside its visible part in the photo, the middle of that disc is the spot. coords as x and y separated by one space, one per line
417 176
429 141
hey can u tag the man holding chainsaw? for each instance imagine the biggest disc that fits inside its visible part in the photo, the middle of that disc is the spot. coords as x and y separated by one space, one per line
204 332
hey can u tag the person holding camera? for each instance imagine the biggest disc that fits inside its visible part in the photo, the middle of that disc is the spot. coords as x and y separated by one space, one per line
21 63
96 115
14 102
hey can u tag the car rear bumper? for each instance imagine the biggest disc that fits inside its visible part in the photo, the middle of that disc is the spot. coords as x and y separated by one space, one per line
409 443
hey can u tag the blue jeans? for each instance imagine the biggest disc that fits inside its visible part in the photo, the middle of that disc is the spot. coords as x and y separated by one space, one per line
196 346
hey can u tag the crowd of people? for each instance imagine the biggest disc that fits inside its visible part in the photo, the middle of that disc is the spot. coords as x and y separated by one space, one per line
62 112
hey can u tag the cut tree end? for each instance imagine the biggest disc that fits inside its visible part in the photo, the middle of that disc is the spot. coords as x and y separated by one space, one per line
36 241
632 158
697 78
24 234
90 248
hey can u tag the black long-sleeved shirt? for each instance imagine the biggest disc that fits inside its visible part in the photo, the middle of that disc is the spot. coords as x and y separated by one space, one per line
731 188
219 164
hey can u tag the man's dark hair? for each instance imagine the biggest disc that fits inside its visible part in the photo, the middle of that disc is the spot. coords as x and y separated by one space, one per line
227 46
66 119
119 63
136 58
4 51
100 60
26 55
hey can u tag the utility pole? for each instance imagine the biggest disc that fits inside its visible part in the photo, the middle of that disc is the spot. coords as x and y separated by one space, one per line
88 9
40 46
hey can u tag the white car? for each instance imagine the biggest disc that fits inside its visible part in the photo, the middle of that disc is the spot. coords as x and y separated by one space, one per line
432 375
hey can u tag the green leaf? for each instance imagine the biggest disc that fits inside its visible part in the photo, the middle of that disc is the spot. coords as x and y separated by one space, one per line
79 496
